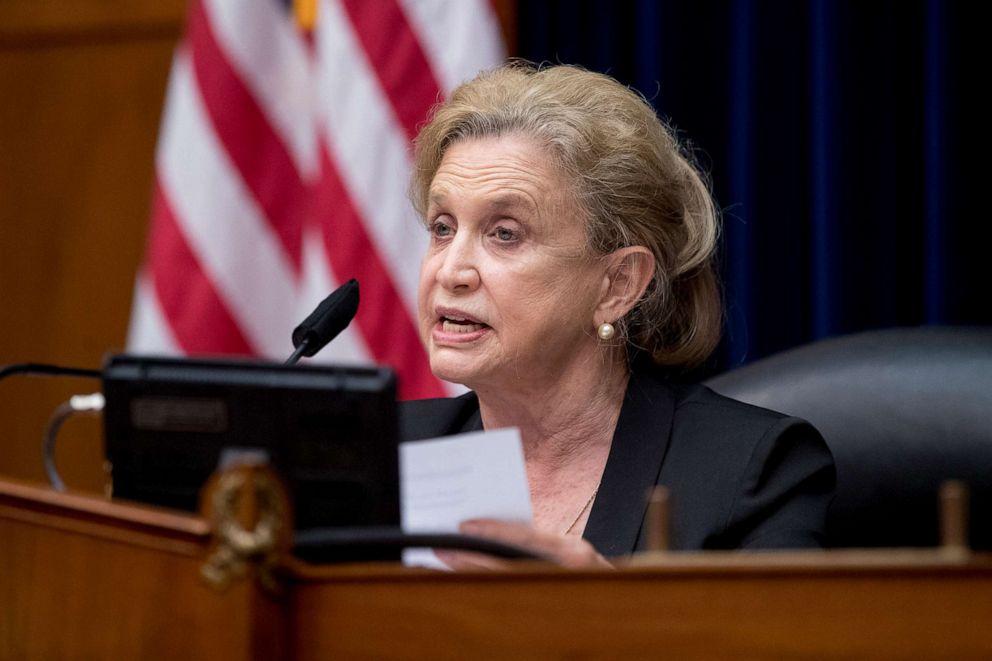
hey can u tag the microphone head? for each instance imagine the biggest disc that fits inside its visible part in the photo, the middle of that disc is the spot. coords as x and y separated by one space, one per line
330 318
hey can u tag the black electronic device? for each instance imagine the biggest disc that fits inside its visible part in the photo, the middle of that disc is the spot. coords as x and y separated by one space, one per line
330 430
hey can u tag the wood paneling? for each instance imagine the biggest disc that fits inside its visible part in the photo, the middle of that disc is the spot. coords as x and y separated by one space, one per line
82 85
21 20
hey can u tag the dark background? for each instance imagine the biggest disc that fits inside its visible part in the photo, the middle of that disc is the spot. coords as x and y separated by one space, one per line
845 142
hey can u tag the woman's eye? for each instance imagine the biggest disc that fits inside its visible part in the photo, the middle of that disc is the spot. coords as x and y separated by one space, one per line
504 234
441 230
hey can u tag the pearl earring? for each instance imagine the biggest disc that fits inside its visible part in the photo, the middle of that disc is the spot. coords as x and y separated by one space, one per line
606 331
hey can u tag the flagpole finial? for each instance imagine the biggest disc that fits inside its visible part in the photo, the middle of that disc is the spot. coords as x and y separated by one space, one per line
305 13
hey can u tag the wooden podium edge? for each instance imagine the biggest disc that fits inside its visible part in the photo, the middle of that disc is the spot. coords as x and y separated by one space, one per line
87 514
908 603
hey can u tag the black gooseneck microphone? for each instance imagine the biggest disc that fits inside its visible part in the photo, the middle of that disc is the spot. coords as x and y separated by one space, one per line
325 323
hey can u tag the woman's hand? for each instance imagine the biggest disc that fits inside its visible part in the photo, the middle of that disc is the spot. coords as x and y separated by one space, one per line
573 552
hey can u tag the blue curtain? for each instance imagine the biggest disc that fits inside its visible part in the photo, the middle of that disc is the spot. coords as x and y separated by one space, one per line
843 140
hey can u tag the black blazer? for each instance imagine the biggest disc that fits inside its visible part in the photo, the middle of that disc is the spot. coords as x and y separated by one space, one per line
739 476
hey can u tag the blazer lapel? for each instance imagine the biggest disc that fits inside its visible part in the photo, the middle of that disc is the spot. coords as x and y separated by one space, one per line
632 467
421 419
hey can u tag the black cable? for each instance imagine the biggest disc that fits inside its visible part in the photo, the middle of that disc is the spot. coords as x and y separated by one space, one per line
44 369
318 541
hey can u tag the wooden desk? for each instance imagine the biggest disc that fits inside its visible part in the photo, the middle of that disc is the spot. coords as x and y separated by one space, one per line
84 578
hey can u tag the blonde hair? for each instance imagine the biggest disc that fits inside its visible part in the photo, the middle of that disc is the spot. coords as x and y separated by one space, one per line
634 182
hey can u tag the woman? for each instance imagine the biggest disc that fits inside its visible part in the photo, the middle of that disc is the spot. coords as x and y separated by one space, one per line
569 276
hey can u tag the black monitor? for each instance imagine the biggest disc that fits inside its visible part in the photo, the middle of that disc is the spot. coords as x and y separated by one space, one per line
330 430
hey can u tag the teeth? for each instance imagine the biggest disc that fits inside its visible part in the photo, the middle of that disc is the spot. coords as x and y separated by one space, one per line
451 326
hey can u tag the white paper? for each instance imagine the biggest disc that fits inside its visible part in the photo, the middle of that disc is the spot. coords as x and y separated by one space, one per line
448 480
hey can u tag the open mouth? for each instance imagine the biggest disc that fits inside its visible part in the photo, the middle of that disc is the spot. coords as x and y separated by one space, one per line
451 324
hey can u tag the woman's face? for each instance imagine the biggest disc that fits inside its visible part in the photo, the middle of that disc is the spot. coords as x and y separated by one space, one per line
508 289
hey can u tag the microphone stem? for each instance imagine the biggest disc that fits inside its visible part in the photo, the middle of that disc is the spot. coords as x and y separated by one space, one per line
298 353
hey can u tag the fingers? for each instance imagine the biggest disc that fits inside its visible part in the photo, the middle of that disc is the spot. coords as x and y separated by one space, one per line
467 560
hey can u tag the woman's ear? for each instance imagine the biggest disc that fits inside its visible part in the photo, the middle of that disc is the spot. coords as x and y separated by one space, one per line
628 273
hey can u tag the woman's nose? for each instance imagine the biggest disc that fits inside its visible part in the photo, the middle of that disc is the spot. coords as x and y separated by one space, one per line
459 269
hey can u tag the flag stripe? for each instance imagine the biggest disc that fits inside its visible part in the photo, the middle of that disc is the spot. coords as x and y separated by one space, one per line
371 151
392 337
273 58
282 168
149 331
223 224
397 59
258 153
199 319
459 38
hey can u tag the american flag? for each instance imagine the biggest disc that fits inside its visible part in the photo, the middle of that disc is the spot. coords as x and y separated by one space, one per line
282 169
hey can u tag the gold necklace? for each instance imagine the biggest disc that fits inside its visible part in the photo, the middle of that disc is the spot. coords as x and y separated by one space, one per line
583 510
